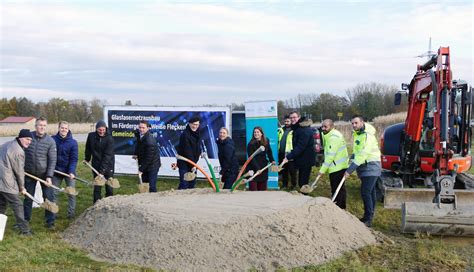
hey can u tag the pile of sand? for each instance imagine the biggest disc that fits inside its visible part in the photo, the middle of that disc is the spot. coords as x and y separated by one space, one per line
200 230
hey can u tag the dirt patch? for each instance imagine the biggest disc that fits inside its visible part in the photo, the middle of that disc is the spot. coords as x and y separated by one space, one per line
197 230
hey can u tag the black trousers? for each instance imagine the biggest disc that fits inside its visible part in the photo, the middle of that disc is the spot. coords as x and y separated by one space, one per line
335 178
109 191
288 171
303 175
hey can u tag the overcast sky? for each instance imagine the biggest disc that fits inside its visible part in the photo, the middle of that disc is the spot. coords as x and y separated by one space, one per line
177 53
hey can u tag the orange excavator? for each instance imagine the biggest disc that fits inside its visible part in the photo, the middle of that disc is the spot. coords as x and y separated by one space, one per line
434 146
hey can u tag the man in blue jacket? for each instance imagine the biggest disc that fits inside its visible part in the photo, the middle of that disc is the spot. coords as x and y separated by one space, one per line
66 163
303 152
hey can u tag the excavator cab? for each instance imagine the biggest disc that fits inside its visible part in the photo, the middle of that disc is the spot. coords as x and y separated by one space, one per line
433 145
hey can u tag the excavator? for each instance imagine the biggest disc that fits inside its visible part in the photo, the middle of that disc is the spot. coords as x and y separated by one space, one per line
432 146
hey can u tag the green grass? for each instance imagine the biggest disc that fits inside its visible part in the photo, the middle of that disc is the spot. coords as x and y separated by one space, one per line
46 251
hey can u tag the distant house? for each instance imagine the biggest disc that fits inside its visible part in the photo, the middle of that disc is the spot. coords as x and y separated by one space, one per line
17 120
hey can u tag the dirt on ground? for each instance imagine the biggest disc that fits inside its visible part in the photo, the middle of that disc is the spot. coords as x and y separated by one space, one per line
199 230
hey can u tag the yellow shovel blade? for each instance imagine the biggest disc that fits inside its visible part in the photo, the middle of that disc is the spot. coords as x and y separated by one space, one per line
99 181
143 188
113 182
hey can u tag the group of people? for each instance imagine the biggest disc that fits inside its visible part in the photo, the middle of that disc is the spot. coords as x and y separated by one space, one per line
55 159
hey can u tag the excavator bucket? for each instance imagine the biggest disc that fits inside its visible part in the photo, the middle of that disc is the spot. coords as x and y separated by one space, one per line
395 197
445 219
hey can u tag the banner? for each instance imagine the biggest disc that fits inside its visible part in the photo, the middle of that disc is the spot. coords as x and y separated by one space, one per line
167 124
264 114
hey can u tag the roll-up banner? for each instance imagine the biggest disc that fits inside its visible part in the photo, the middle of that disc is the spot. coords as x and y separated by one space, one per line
264 114
167 124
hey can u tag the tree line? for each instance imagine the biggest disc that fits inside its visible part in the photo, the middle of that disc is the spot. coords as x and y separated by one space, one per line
367 99
55 110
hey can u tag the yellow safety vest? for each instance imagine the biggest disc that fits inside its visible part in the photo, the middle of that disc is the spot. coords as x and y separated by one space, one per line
366 148
289 140
336 156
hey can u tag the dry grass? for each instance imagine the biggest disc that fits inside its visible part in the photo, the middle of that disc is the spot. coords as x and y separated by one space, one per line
77 128
380 123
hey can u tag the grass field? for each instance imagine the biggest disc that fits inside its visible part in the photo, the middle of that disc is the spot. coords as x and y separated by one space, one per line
46 251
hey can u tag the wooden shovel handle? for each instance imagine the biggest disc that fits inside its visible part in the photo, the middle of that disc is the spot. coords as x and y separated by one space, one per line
43 181
92 168
32 198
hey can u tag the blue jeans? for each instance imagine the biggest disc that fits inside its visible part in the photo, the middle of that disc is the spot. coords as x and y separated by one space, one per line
151 176
367 192
71 207
30 186
183 184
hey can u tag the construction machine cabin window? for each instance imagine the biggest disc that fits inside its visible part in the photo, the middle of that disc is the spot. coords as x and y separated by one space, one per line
427 136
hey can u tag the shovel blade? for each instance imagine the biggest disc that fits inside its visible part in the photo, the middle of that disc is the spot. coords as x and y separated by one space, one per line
71 191
306 189
189 176
143 188
113 182
50 206
99 181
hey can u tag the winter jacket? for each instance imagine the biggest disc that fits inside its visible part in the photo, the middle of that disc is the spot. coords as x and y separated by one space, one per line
12 163
67 153
366 153
101 149
147 152
189 147
303 152
41 156
261 160
227 158
336 157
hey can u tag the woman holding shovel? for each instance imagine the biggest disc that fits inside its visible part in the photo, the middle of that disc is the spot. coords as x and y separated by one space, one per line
260 160
147 154
227 158
100 148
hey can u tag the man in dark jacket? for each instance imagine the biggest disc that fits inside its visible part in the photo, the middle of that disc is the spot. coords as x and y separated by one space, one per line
303 152
12 174
67 162
100 146
190 148
147 154
40 161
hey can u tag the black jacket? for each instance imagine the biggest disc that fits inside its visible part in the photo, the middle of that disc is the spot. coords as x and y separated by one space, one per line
261 160
303 152
147 152
227 158
189 147
101 149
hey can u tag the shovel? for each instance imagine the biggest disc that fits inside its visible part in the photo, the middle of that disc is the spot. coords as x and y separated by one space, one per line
99 180
47 205
306 189
338 188
113 182
67 190
254 175
255 153
246 175
142 186
76 178
179 157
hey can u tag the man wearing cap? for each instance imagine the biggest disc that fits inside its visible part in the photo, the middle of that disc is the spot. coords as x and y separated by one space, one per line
40 161
100 147
189 147
12 177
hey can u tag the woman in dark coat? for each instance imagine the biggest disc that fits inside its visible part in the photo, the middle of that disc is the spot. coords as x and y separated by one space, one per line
227 158
261 160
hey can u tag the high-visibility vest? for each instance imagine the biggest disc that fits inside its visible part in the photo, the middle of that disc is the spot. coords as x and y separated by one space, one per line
336 156
366 147
289 140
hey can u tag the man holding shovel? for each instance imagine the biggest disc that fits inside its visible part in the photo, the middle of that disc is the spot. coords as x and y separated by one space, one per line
189 148
12 177
366 159
40 161
148 155
100 147
336 159
67 162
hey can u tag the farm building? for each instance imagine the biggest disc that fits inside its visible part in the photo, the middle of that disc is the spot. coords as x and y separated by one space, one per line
18 120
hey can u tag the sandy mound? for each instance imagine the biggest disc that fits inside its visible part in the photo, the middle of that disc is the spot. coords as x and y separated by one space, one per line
196 230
